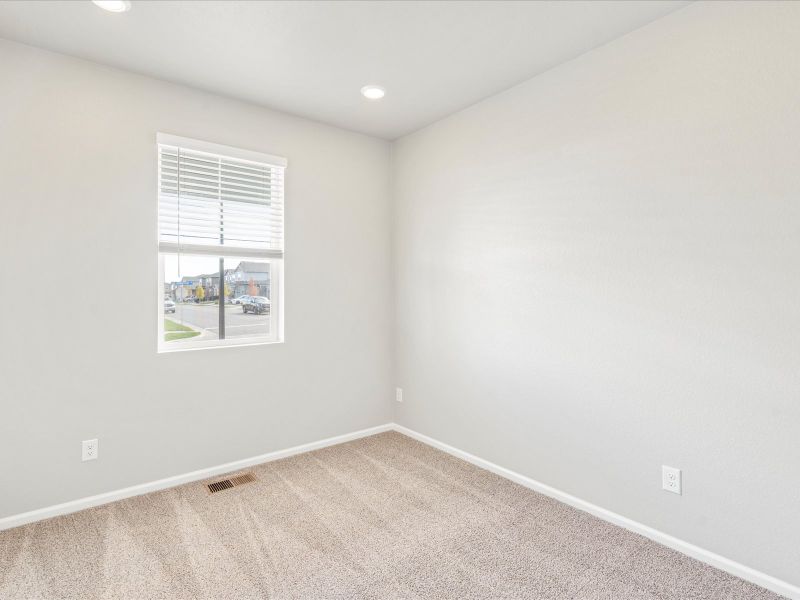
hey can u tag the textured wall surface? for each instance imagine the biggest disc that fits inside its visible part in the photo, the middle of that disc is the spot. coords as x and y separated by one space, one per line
597 274
79 277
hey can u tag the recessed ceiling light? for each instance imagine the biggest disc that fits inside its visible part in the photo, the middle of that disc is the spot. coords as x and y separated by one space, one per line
113 5
373 92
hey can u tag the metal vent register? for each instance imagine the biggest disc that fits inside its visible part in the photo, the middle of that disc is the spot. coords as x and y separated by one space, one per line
231 482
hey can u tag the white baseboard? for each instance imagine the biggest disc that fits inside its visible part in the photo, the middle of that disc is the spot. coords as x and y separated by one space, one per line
161 484
715 560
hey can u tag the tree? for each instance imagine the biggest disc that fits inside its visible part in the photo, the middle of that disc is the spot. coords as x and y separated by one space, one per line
252 288
227 291
199 293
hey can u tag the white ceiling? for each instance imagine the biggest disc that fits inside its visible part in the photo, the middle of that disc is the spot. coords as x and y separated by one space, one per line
312 58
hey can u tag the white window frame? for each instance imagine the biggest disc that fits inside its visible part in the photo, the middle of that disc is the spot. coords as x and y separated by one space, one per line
275 259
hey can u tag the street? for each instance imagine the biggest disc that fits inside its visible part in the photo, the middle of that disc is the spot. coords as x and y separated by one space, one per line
205 317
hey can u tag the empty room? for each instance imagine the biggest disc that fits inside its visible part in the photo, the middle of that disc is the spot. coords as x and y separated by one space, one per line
400 300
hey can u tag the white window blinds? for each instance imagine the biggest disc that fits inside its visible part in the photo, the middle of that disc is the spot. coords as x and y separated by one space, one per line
219 200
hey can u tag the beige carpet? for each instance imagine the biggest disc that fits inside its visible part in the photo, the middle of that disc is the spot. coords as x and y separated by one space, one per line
382 517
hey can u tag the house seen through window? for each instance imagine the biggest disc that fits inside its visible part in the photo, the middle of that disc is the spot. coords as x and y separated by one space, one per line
220 245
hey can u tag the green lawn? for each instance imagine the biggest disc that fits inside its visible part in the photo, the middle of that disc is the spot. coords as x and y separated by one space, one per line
176 331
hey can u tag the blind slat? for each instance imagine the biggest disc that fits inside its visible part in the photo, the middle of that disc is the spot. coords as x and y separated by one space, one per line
212 202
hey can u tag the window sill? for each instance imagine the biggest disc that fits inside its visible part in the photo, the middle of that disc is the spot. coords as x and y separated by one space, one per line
170 348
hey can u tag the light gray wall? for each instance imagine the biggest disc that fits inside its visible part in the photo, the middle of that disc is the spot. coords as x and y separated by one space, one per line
597 274
79 265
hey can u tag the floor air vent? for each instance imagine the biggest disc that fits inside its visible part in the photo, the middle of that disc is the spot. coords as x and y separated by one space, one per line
225 484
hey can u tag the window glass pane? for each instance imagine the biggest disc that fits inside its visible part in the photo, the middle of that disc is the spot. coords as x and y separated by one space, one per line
250 295
192 295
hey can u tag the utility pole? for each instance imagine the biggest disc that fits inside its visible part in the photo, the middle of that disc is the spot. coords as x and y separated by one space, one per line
221 297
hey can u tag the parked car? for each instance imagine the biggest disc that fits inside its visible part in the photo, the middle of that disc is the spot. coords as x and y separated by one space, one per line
256 304
169 306
241 299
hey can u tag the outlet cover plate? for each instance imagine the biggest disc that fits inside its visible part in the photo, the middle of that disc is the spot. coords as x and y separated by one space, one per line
89 450
671 479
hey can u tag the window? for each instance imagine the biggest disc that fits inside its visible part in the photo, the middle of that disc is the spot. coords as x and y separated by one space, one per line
220 245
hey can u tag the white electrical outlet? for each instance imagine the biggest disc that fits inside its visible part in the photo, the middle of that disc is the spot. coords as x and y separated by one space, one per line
671 479
398 394
89 450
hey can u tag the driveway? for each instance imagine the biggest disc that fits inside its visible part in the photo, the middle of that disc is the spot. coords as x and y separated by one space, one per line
205 317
